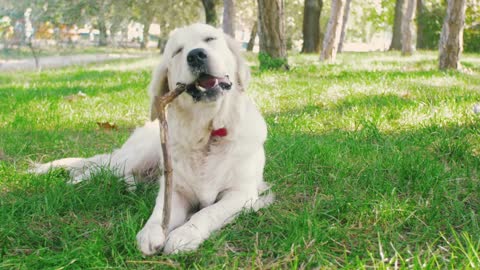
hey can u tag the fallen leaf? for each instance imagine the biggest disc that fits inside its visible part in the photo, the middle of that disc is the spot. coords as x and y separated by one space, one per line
405 95
75 97
2 155
107 125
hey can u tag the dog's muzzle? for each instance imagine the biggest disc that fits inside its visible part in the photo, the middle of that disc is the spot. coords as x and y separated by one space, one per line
208 87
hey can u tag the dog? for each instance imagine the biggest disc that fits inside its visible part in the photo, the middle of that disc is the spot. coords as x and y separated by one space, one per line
216 136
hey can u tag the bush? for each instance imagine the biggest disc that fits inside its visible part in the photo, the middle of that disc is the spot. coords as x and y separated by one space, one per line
431 21
471 39
267 62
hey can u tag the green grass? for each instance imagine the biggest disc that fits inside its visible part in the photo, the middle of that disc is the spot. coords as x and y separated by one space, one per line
374 160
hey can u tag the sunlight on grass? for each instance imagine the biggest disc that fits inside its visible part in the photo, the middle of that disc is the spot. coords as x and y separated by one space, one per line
147 63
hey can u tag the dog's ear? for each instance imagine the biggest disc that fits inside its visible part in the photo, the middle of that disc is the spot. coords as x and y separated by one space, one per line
243 70
158 87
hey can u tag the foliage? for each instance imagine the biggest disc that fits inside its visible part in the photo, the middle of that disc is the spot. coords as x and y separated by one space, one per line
293 23
374 163
373 16
471 34
267 62
431 19
471 39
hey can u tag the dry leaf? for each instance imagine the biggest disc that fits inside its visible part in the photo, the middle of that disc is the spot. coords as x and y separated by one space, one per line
2 155
405 95
107 125
75 97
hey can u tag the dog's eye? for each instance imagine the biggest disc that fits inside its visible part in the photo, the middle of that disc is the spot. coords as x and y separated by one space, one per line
208 39
178 51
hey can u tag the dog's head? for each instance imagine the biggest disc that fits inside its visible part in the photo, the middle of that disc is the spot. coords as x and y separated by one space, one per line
203 58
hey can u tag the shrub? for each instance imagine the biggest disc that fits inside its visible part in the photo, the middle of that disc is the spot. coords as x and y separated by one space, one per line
267 62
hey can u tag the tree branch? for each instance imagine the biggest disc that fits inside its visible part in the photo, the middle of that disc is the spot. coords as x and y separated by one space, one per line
161 104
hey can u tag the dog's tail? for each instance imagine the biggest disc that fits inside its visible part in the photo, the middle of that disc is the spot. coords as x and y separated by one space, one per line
266 197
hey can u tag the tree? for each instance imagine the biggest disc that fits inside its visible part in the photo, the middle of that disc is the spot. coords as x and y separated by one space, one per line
451 40
253 35
210 12
273 46
429 20
228 24
407 29
311 26
396 43
346 12
145 11
334 28
420 44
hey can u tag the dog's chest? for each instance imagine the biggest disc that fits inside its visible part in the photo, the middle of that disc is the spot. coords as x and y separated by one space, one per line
203 172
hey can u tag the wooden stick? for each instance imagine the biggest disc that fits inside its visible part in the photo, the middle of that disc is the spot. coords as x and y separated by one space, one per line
161 104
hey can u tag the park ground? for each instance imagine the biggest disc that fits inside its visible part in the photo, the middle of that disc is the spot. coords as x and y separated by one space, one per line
374 161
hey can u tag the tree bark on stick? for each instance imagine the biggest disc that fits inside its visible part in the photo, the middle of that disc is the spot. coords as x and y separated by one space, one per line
407 29
311 26
346 12
228 24
161 104
334 28
396 43
451 40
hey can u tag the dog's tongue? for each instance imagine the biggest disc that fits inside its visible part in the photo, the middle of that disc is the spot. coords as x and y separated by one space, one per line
208 82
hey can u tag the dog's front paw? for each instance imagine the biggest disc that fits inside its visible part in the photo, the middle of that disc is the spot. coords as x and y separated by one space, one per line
151 239
184 238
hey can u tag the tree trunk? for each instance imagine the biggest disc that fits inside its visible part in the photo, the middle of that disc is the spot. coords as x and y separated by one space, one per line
102 35
253 35
273 46
420 28
407 29
334 28
229 17
210 12
451 40
396 43
311 26
344 25
145 35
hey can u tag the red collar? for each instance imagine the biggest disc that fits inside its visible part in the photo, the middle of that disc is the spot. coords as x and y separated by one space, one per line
221 132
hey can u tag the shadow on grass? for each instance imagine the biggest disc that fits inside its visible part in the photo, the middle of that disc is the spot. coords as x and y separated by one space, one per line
48 145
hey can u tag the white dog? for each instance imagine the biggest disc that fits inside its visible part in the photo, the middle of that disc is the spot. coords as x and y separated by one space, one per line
216 135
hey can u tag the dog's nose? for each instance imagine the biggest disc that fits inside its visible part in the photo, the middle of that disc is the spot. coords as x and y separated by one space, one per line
197 57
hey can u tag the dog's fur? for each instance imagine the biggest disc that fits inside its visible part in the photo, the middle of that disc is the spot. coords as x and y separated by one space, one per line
214 177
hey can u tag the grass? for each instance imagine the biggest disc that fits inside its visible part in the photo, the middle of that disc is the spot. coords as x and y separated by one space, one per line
24 52
374 161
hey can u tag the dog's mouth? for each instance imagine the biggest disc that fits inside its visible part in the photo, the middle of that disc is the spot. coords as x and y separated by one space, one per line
208 87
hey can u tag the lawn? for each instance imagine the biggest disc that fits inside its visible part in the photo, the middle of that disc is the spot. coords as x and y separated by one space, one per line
25 52
374 160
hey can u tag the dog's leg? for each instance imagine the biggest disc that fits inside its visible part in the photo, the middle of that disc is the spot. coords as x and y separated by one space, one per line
190 235
151 238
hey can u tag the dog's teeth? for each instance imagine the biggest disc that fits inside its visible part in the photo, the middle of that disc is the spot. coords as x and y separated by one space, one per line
201 88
